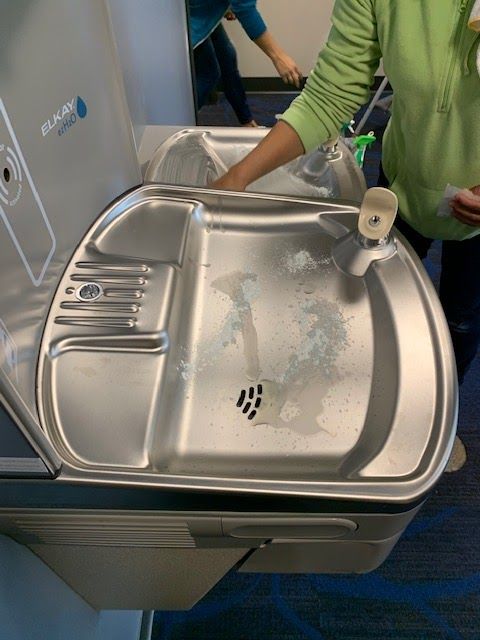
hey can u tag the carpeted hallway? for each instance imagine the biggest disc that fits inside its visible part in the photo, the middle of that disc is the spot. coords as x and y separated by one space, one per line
428 589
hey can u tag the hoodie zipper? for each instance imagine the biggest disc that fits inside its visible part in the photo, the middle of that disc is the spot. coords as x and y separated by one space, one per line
447 84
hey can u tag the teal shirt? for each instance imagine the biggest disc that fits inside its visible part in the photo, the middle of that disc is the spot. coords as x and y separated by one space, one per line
205 15
433 138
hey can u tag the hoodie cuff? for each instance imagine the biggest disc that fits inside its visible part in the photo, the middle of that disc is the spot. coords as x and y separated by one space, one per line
311 131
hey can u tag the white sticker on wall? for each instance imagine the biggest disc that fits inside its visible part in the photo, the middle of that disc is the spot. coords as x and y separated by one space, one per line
21 209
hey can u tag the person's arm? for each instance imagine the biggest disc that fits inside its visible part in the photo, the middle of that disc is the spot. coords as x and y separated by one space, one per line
249 17
254 26
337 87
280 146
285 65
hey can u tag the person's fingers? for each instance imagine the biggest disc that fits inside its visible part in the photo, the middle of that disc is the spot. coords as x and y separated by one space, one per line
292 77
460 208
465 214
289 77
467 221
467 217
466 198
466 207
290 73
295 75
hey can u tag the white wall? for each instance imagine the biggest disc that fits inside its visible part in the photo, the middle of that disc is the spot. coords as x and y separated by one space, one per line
152 43
301 27
35 604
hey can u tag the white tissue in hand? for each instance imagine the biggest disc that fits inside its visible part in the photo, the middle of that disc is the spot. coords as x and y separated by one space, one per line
445 210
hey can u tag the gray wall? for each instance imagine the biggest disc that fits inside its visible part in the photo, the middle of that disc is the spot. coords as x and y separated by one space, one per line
152 44
36 605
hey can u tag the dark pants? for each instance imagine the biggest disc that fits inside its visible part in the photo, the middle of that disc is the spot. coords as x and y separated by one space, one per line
216 58
459 288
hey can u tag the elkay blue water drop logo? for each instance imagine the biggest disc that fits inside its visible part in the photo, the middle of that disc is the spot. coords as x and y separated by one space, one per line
81 107
66 116
78 112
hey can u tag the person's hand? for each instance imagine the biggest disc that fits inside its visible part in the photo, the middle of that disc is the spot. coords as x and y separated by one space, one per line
466 206
230 15
287 69
228 182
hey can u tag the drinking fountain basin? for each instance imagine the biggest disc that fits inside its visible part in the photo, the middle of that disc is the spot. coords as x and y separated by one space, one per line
207 340
196 157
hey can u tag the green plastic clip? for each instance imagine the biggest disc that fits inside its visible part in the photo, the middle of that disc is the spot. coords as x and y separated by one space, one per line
362 143
347 128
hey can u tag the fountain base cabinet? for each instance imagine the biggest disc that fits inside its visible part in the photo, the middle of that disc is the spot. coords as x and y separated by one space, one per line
149 560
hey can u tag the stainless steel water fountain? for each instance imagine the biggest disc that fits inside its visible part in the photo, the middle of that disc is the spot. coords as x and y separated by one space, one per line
193 378
203 298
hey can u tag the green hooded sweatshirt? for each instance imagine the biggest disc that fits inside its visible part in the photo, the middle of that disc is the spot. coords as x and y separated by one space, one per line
433 138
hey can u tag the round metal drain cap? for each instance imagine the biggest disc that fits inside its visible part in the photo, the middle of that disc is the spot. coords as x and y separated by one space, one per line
89 291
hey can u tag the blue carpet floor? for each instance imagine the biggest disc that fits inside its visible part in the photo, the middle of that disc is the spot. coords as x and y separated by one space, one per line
428 589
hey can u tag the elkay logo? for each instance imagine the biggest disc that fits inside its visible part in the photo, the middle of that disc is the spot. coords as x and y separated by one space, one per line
65 117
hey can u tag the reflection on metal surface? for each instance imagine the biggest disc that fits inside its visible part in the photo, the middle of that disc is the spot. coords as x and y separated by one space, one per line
8 353
240 293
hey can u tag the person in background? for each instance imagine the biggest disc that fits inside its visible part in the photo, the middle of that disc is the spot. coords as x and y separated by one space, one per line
215 56
431 55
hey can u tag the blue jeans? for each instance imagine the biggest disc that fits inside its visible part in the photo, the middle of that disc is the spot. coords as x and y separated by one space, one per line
459 288
216 58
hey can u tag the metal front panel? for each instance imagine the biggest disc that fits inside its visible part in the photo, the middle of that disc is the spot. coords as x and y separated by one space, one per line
168 560
139 578
153 48
66 151
127 560
326 556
